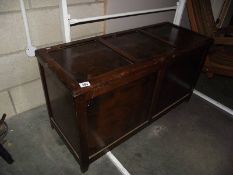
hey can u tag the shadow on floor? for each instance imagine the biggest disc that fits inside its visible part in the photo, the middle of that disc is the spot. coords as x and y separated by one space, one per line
219 88
193 139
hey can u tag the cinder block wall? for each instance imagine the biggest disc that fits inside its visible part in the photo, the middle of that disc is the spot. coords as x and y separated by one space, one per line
20 85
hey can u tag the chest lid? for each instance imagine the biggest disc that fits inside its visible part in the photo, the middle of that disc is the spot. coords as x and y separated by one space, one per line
178 37
109 57
87 60
139 45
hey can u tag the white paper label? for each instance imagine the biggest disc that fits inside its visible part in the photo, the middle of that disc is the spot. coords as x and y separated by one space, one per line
84 84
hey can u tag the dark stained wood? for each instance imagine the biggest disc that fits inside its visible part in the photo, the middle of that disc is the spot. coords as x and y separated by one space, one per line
44 84
179 78
81 118
134 43
130 58
114 114
46 61
62 109
180 39
156 37
135 77
79 62
112 81
220 57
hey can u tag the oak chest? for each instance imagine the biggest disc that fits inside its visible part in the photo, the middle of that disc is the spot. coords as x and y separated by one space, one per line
102 90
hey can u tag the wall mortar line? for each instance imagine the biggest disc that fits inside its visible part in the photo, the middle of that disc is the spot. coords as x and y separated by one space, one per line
12 102
21 84
48 7
30 4
50 44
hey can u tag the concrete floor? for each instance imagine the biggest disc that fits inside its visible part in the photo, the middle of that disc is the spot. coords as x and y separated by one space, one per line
193 139
220 88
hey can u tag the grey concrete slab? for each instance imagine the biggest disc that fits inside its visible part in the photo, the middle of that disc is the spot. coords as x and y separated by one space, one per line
195 138
220 88
38 150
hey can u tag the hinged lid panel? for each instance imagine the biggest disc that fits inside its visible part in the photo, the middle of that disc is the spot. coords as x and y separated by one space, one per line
88 59
139 45
178 37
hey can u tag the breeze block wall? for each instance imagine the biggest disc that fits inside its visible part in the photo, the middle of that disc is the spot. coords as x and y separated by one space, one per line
20 84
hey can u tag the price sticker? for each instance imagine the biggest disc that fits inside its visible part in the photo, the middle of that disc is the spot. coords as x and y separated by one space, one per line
85 84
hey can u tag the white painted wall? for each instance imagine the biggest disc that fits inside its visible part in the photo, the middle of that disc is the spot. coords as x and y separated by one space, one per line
119 6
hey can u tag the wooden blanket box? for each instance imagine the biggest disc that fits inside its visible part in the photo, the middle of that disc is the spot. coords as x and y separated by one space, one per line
102 90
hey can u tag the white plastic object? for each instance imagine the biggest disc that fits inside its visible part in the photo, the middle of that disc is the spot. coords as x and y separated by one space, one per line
64 18
119 15
85 84
215 103
179 12
30 50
